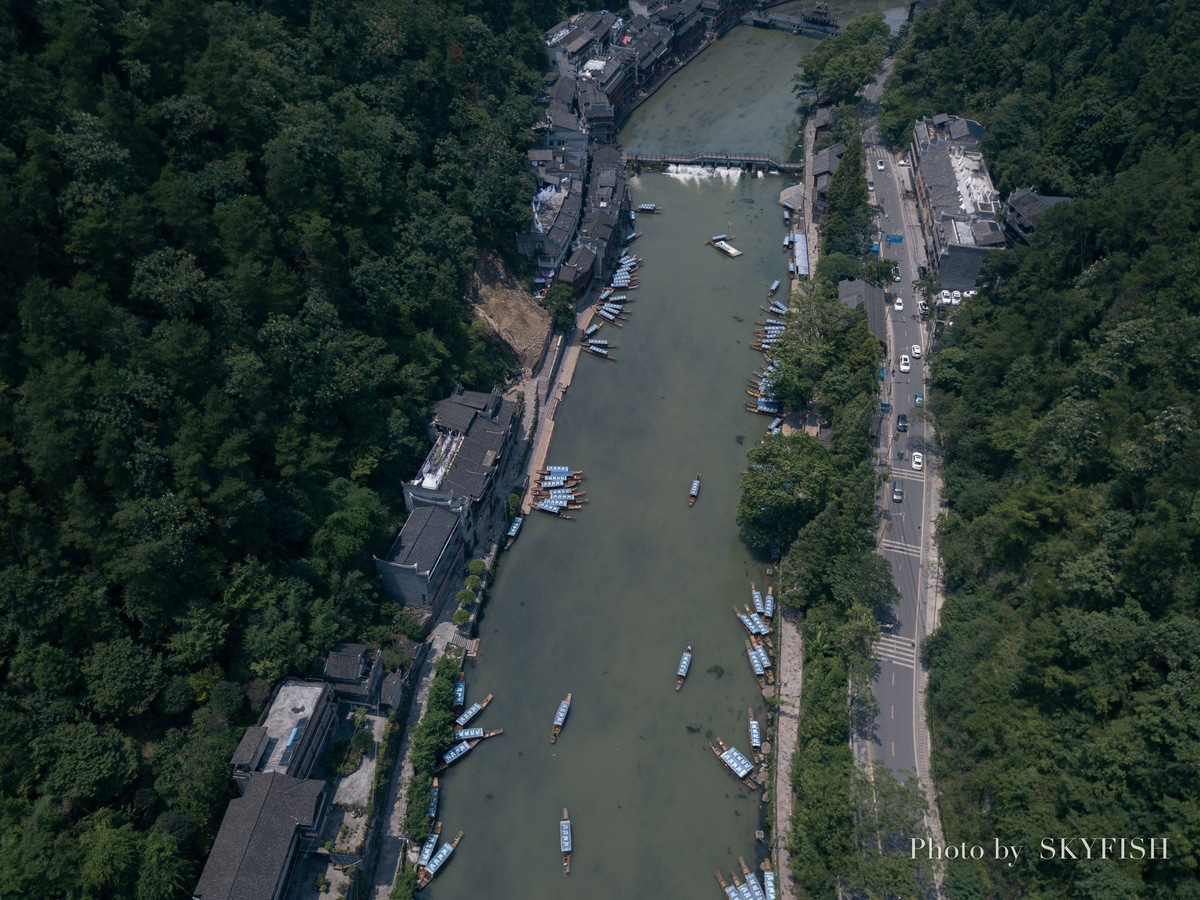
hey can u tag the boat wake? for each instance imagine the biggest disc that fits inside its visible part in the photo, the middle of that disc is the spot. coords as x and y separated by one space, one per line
704 173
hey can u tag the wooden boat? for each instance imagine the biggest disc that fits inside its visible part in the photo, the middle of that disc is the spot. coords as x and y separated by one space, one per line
564 841
431 813
633 237
439 860
760 626
684 662
476 734
553 482
601 352
694 491
756 890
560 472
719 237
736 762
743 892
731 893
592 329
764 658
608 317
769 603
513 530
648 208
429 846
560 719
454 754
774 287
755 732
474 710
768 879
553 510
727 248
756 663
600 342
756 596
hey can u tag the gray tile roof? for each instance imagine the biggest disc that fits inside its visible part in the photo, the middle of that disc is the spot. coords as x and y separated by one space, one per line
423 538
250 749
346 662
254 843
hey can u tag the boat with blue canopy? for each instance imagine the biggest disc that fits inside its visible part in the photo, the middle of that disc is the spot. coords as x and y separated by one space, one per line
756 891
467 734
429 846
769 882
694 491
431 813
685 662
455 753
736 762
513 530
769 603
474 710
755 732
731 892
756 663
564 841
560 718
758 600
439 860
774 287
460 692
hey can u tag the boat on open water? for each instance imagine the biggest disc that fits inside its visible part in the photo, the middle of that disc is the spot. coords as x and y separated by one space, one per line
685 662
694 492
564 841
560 718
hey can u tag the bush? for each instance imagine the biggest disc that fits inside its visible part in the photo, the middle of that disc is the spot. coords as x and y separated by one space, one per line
460 618
476 567
474 583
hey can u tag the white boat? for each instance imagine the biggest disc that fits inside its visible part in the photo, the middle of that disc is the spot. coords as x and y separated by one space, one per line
560 718
685 662
727 248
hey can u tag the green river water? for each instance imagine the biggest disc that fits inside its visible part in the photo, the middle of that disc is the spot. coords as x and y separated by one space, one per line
603 606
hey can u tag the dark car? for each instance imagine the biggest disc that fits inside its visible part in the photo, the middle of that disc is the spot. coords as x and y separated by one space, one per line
921 271
902 422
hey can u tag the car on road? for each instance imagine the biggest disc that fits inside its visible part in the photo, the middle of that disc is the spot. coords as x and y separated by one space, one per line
897 493
902 422
905 363
879 164
870 185
895 273
916 351
918 462
899 304
919 399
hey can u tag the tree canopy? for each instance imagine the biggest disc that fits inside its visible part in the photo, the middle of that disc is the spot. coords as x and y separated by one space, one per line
236 243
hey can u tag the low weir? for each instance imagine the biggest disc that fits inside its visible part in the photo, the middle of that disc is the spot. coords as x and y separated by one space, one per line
720 159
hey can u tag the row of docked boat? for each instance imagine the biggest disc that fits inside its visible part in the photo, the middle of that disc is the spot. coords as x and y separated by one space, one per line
750 888
429 863
557 491
611 309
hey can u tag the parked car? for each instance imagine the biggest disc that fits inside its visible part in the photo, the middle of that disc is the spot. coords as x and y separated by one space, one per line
944 298
955 298
905 363
916 351
902 422
870 185
919 399
897 493
879 164
918 462
922 271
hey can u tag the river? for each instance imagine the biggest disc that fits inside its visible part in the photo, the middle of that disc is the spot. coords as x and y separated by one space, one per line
603 606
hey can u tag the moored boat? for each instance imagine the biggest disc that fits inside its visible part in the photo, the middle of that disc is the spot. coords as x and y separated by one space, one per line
439 860
769 603
756 594
727 248
552 509
756 663
774 287
454 754
429 846
768 880
474 710
685 662
564 841
736 762
648 208
633 237
742 891
731 893
513 530
601 352
756 891
431 813
695 490
476 734
755 732
560 718
561 472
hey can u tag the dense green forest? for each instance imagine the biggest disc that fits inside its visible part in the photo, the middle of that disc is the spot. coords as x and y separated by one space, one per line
1063 690
236 238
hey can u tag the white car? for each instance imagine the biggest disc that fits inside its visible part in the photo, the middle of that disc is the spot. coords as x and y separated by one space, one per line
918 462
899 304
955 298
967 294
945 298
916 351
905 364
879 164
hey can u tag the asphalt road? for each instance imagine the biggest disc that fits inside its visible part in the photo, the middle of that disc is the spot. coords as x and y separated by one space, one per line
895 738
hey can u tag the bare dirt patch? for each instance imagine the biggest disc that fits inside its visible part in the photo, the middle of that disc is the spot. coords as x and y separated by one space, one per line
508 309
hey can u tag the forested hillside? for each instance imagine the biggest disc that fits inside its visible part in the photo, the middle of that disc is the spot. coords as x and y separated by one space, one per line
235 239
1064 684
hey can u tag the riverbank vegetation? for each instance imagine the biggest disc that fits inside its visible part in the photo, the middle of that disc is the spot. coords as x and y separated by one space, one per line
1066 398
236 239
